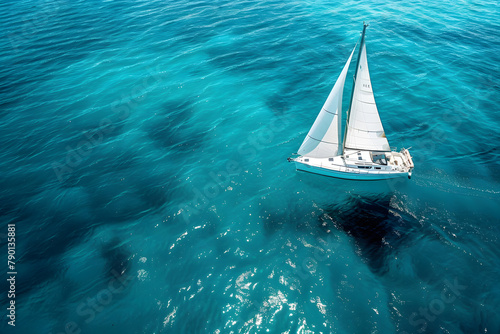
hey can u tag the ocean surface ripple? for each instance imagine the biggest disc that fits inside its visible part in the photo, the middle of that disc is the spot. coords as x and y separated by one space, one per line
143 158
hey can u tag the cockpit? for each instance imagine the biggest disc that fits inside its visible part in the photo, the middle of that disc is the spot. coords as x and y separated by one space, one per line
378 158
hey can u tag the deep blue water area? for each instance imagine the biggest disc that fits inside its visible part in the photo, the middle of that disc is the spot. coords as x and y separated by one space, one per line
143 150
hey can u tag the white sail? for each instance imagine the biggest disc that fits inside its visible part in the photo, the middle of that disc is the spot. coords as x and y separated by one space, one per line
364 129
323 138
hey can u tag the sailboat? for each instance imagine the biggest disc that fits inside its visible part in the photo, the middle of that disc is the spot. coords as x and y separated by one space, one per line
361 151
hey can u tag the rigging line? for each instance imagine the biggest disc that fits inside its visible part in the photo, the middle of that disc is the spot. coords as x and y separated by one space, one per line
365 102
322 141
329 111
361 130
364 150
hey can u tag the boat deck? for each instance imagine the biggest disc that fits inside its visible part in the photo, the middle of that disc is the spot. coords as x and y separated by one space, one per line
371 164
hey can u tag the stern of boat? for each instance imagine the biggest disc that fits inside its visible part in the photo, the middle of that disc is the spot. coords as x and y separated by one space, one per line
408 161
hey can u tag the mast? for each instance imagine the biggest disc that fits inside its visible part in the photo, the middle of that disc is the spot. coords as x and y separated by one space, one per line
361 44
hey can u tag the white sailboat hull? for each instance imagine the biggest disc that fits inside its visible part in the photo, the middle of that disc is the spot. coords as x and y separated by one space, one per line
342 172
359 165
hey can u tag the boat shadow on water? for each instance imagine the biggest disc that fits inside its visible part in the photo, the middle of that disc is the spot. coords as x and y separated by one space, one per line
373 214
377 227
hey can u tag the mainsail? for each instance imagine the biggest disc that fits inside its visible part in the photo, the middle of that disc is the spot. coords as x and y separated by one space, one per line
324 137
364 128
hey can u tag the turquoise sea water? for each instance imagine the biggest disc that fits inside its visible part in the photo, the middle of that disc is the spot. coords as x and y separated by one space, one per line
143 163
